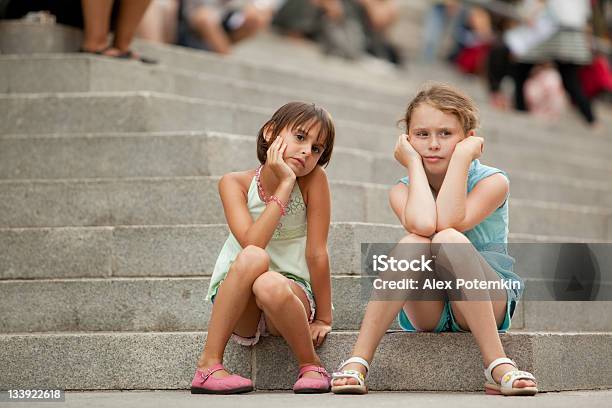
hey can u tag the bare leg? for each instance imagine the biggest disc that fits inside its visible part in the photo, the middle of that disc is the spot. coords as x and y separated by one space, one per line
151 26
481 317
380 314
130 14
159 22
206 25
96 16
285 307
234 307
170 21
255 21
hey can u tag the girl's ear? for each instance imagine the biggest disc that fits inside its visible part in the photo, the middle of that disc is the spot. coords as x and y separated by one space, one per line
471 133
267 132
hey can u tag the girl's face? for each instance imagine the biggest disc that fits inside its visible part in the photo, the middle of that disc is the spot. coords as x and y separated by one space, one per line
303 149
434 135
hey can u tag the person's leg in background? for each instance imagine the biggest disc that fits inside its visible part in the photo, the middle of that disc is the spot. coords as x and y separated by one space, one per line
377 17
130 14
205 22
571 83
96 17
498 67
253 18
433 31
159 23
520 74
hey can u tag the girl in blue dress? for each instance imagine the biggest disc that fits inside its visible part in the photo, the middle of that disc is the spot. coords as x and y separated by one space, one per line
448 197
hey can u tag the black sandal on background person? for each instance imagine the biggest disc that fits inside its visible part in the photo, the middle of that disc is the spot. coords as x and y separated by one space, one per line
98 52
127 55
130 55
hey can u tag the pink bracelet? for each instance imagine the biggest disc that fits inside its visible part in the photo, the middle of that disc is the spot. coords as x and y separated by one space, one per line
277 200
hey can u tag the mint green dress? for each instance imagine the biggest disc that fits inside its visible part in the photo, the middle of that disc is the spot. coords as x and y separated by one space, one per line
287 248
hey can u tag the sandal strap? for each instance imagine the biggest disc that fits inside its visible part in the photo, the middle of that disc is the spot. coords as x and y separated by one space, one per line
355 359
350 374
488 372
101 51
508 378
130 55
313 368
210 370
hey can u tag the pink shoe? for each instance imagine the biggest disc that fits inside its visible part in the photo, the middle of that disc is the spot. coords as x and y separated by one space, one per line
312 385
204 383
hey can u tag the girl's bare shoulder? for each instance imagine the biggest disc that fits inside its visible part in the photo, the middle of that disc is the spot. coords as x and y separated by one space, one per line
313 181
240 179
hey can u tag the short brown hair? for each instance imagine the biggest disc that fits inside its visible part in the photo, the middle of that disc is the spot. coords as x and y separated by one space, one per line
447 99
295 115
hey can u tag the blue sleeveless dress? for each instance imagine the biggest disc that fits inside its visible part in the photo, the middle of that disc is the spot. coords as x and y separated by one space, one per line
490 238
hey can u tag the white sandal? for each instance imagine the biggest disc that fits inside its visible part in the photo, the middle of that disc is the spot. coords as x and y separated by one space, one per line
359 388
507 380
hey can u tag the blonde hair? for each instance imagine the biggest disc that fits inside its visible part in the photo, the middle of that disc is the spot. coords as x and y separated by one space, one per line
447 99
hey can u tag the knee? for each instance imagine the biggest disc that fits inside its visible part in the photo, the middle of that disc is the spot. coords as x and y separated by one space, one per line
271 289
252 259
449 235
414 239
415 243
202 18
255 20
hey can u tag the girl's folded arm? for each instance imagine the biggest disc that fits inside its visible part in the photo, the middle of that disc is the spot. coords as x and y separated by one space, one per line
420 222
488 195
239 219
451 199
318 215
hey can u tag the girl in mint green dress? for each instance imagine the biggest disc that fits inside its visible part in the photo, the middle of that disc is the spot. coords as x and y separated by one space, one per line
456 209
272 275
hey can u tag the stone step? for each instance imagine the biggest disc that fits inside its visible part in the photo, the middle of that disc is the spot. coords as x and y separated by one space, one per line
162 251
330 75
450 361
67 113
177 304
381 84
435 399
387 86
538 175
195 200
167 251
80 73
146 111
20 38
258 61
176 251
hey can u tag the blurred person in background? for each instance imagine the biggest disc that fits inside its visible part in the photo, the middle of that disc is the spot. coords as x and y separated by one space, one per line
345 28
96 17
334 24
437 21
160 22
473 37
97 26
377 17
552 31
216 25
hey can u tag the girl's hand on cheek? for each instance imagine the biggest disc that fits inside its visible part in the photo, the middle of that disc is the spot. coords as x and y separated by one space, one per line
472 147
276 161
404 152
